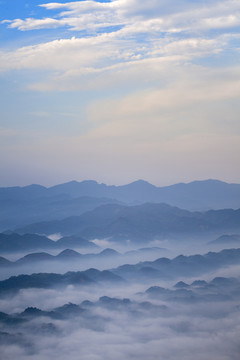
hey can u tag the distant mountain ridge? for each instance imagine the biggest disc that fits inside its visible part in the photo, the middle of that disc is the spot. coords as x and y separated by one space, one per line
227 239
21 206
205 194
141 223
162 268
196 195
179 266
18 208
18 243
65 255
50 280
74 258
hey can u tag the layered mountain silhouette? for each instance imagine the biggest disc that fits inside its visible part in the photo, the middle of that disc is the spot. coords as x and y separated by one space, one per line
18 243
25 205
162 268
210 300
233 239
126 293
65 255
220 289
71 258
140 223
20 206
217 290
52 280
207 194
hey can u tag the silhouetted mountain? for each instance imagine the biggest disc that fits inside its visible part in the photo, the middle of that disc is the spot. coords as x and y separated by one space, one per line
4 262
140 223
70 260
199 283
159 313
36 257
181 285
19 209
68 310
227 240
217 290
34 203
51 280
22 193
15 242
33 312
113 303
207 194
67 255
202 195
28 242
109 253
159 269
105 275
164 268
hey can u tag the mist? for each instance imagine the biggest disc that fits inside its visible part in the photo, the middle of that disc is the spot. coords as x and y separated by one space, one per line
122 322
147 281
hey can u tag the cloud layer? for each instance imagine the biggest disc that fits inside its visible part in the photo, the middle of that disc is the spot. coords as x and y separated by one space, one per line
139 330
157 77
120 35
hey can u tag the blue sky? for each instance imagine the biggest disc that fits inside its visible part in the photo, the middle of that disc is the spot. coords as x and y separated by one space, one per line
119 90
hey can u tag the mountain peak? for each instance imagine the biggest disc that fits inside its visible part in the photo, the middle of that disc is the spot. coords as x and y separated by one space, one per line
109 252
141 182
68 253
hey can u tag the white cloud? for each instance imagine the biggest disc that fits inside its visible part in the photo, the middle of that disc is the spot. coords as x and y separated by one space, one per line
91 15
106 60
222 22
210 329
161 102
177 35
32 24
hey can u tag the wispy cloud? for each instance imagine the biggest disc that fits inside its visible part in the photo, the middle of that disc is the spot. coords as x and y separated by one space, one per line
172 16
147 31
174 63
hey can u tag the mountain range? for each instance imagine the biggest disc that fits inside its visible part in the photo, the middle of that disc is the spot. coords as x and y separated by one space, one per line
24 205
162 268
227 239
52 280
140 223
53 297
216 290
13 243
74 259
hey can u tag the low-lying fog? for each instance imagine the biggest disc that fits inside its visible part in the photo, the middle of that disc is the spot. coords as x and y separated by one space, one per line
145 327
94 258
160 320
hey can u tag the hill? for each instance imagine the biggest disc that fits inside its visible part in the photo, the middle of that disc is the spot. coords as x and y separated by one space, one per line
24 205
52 280
140 223
13 243
226 240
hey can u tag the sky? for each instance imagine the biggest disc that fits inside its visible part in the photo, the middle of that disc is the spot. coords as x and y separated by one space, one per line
119 90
